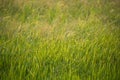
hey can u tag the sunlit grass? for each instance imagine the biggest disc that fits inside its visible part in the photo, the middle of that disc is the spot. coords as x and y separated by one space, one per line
59 40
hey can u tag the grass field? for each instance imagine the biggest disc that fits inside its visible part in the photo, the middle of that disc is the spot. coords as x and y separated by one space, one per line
59 40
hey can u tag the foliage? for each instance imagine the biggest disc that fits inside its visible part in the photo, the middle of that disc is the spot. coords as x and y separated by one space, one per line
59 40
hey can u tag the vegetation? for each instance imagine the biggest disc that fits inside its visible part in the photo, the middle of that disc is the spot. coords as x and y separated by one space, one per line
59 40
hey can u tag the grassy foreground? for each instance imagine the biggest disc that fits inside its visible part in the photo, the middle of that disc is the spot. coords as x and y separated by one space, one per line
59 40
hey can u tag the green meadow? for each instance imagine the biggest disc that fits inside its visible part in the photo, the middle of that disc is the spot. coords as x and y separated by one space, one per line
59 40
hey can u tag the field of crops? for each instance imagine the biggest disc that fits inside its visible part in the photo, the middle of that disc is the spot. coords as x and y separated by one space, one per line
59 39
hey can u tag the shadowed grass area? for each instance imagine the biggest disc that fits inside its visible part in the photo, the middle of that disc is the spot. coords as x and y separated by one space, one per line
59 40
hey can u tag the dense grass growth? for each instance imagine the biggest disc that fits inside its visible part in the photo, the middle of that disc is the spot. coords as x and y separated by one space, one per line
59 40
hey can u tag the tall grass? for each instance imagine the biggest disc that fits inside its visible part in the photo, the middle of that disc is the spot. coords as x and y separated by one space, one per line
59 40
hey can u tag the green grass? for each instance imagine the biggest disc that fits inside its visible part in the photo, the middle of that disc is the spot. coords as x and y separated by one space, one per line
59 40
